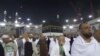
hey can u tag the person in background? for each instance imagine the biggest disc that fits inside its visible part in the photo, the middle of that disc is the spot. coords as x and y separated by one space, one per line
68 41
20 45
14 40
71 42
35 50
1 50
61 48
48 42
85 44
53 42
97 35
43 46
10 48
27 43
36 39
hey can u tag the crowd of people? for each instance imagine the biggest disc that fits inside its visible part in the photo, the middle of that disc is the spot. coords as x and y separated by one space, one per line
87 43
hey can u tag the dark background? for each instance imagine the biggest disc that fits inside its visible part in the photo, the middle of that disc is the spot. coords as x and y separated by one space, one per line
39 10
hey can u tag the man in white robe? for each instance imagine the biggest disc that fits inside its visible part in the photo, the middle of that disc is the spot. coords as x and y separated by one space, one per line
61 48
84 44
97 37
15 41
10 48
53 42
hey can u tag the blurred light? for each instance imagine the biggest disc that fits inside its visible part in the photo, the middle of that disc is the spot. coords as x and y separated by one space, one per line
90 16
5 12
67 21
17 25
21 6
22 22
30 23
58 16
16 21
28 19
28 26
98 20
9 17
5 20
43 21
81 18
71 27
16 13
2 24
64 27
19 18
74 20
36 27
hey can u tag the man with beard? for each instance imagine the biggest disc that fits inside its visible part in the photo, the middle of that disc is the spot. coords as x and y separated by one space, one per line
84 44
61 48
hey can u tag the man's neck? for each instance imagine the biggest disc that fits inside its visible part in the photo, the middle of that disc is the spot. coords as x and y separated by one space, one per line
86 39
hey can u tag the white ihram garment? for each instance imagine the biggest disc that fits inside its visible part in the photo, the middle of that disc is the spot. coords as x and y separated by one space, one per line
81 48
56 51
52 44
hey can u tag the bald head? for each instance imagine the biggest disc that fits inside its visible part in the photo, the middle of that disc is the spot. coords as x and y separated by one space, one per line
82 25
97 35
61 40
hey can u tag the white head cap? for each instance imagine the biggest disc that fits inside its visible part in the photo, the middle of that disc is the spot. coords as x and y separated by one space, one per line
5 36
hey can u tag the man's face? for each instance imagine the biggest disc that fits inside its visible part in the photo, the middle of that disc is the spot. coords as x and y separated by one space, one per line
61 40
6 40
97 35
86 30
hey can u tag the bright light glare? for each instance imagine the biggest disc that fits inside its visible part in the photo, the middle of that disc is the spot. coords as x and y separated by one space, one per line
74 20
30 23
43 21
71 27
19 18
17 25
67 21
28 26
81 18
36 27
64 27
16 21
28 19
98 20
2 24
90 16
4 20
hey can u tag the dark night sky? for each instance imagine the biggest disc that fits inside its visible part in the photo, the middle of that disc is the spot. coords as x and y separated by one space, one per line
38 10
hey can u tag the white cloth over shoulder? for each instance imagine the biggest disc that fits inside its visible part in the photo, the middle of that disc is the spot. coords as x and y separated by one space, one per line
81 48
36 41
52 44
56 51
15 41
